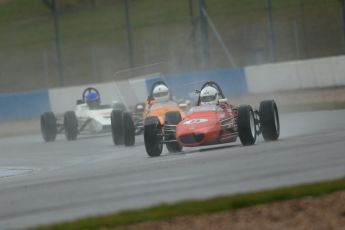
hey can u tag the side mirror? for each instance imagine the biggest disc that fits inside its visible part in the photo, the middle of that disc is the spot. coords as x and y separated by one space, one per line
223 100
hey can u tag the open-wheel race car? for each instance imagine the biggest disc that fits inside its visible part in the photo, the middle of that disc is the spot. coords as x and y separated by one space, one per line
159 102
89 117
158 107
212 121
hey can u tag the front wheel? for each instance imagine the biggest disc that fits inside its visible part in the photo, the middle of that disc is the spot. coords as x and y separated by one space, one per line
71 125
153 136
128 129
48 126
246 125
269 120
116 127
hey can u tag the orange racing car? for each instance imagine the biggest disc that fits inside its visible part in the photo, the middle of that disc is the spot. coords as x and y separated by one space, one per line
158 108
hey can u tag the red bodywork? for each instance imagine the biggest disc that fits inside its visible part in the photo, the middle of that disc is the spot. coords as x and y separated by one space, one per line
208 127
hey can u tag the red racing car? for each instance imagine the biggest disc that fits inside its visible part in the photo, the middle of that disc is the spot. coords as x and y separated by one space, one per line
214 121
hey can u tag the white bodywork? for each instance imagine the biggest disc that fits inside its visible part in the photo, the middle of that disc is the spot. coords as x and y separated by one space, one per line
93 120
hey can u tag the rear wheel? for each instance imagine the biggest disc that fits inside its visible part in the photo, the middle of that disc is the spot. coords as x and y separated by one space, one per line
269 119
246 125
117 127
172 118
48 126
70 125
128 129
153 136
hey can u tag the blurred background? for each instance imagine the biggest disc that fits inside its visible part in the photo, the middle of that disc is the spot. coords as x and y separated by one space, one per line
91 40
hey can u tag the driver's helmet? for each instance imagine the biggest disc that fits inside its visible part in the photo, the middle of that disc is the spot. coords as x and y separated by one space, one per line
93 99
209 96
161 93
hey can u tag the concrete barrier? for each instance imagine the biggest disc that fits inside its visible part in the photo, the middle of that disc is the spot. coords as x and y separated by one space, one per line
296 75
26 105
307 74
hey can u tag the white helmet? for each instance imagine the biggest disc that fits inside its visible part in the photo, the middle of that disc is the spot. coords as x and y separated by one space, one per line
209 96
161 93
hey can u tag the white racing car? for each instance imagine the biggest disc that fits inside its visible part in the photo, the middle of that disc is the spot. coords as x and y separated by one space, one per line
89 117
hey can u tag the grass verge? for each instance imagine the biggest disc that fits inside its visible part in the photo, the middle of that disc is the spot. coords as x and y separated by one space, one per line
27 24
193 207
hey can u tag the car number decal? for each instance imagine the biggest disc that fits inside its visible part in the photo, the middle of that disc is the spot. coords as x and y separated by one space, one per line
195 121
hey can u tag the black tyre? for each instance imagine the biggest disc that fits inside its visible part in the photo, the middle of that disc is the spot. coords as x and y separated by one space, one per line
128 129
153 136
48 126
71 125
269 119
117 127
172 118
246 125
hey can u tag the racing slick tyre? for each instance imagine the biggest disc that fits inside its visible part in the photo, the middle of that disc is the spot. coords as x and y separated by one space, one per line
153 136
269 119
172 118
246 125
48 126
117 127
71 125
128 129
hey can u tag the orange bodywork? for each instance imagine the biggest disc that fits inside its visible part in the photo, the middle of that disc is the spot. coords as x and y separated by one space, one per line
160 109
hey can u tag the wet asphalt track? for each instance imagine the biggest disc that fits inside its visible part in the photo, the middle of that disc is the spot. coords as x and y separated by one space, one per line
47 182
